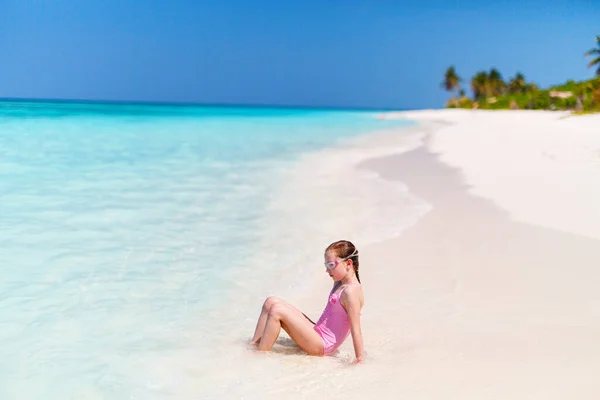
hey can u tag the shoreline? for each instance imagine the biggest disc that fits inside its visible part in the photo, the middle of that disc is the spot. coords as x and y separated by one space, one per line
470 301
333 192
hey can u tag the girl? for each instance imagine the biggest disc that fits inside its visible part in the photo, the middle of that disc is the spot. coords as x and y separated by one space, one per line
340 317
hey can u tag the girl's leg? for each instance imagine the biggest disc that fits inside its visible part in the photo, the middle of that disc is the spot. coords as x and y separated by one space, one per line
300 329
262 319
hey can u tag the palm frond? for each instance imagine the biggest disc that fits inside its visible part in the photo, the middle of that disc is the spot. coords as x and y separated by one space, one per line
592 52
594 62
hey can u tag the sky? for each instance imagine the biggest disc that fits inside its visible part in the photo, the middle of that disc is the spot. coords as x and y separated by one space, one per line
321 53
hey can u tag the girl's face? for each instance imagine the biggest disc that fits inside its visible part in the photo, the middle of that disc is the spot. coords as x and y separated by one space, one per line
336 268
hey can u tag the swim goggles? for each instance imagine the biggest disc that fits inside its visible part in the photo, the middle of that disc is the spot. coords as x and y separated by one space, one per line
332 264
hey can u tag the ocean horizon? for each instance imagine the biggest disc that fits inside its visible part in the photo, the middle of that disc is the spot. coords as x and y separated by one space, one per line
202 104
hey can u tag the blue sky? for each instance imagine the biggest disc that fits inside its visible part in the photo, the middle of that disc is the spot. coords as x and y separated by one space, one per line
341 53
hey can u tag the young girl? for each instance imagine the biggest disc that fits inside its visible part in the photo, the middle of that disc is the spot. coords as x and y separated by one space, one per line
340 317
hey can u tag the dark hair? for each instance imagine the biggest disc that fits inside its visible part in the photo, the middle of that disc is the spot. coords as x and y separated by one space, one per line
345 249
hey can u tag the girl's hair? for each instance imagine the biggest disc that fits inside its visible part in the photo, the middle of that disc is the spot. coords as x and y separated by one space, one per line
345 249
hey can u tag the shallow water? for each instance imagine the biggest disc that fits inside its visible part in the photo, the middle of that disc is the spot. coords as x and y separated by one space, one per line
127 231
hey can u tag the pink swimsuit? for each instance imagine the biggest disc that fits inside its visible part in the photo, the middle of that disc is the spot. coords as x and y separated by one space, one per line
333 326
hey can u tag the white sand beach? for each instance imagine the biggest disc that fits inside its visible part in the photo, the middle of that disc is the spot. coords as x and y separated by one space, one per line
493 294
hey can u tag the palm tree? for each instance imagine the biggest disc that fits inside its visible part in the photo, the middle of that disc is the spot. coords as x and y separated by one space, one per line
517 84
595 52
496 83
451 80
480 85
531 88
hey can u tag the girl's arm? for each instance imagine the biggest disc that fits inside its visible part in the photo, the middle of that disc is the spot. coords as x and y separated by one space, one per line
351 300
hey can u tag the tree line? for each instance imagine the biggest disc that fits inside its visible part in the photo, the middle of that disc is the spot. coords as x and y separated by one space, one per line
490 90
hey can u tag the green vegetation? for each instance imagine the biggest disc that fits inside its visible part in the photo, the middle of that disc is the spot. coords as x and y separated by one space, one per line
490 91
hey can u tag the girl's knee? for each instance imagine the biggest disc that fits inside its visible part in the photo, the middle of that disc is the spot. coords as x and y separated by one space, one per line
270 301
276 310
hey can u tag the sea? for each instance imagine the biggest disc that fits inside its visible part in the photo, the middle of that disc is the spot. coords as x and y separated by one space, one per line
137 241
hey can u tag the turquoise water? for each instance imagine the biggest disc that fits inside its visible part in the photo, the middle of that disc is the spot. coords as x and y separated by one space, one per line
123 225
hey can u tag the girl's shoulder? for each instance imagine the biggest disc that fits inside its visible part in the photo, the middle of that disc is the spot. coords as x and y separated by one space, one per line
352 291
354 287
